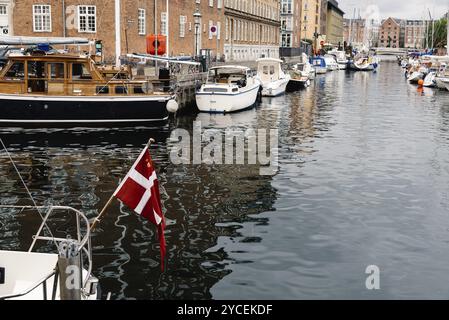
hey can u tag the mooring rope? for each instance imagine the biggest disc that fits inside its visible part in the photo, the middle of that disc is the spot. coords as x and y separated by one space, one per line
28 191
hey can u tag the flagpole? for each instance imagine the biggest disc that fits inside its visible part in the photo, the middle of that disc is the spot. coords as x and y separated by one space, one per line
111 199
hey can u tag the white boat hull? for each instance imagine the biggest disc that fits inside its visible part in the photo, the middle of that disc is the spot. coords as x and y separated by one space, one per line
23 270
440 83
429 80
213 102
415 77
342 65
275 88
320 70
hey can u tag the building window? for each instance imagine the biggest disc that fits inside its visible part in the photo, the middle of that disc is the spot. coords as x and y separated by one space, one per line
141 22
182 26
87 19
41 18
3 10
164 23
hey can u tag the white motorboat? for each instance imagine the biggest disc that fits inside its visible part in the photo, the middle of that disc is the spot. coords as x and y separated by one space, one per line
301 73
429 80
34 275
273 79
415 76
228 89
331 63
341 58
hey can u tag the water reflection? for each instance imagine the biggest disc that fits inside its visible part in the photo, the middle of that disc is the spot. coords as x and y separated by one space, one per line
362 180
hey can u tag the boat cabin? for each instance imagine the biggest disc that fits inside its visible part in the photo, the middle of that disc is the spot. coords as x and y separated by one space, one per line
225 78
66 75
269 69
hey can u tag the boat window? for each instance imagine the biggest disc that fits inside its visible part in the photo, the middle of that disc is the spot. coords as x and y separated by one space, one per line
121 90
235 90
36 70
80 72
215 90
271 70
56 70
102 90
265 70
16 71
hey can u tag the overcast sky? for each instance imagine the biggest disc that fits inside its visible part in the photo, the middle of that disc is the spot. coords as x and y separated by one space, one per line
403 9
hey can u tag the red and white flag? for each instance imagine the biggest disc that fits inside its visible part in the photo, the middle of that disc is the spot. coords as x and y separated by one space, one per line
140 192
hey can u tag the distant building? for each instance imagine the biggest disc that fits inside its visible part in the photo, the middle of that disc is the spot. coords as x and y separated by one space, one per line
290 27
354 31
6 25
311 16
390 33
97 20
323 17
252 29
334 23
415 34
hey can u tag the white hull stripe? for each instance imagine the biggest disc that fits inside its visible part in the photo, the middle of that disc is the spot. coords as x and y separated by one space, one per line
85 98
82 121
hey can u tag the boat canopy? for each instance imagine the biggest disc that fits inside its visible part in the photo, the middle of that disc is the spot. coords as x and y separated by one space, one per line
30 41
318 62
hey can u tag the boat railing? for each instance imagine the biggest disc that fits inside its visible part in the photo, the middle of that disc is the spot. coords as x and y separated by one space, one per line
82 238
43 283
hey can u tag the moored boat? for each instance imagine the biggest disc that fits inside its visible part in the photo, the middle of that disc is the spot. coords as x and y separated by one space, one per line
228 89
319 64
273 79
39 89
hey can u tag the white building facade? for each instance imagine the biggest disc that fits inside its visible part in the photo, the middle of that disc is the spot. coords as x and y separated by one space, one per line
6 25
252 29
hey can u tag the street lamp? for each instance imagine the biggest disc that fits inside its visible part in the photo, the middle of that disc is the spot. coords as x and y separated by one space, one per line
197 19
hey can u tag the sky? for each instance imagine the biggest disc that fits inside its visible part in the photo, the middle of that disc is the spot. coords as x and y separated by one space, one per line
403 9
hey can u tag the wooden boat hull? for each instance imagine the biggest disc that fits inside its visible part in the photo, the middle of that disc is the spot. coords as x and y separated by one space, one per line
43 111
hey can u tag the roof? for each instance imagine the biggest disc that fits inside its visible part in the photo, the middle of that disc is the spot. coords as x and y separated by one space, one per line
334 5
22 41
230 67
269 60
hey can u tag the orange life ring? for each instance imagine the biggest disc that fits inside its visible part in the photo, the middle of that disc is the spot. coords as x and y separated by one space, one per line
159 41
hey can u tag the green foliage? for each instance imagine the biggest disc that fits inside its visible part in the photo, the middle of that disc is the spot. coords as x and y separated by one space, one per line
439 34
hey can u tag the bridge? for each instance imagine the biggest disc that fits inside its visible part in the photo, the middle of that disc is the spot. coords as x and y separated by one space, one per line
390 51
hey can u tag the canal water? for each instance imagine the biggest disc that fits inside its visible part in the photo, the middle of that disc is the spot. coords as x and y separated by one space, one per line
363 180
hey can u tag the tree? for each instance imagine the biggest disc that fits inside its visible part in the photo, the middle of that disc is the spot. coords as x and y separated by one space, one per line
439 34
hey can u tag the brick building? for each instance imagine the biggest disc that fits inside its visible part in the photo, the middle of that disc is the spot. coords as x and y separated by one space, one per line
354 30
252 29
127 26
391 33
415 31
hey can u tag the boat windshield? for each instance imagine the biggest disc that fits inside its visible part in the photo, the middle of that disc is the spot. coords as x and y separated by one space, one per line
228 76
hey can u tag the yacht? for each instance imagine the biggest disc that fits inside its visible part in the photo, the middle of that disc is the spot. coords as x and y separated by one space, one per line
228 89
273 79
42 87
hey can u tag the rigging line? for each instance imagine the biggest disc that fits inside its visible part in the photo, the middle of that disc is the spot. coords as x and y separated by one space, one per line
28 191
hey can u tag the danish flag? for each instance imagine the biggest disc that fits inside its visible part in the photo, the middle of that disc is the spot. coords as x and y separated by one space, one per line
140 192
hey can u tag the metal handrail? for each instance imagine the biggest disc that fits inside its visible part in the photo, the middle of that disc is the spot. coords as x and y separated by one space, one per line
34 287
82 242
